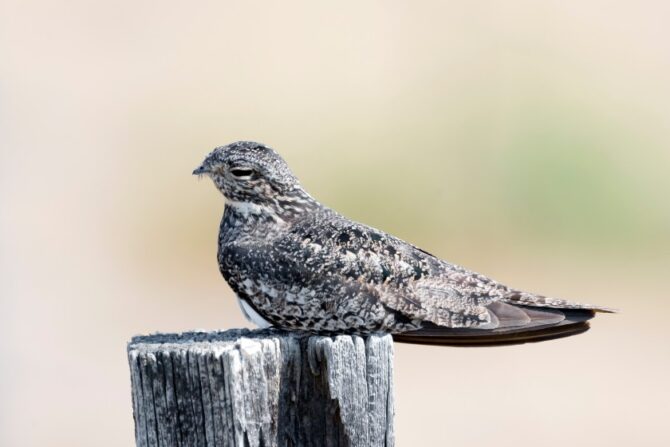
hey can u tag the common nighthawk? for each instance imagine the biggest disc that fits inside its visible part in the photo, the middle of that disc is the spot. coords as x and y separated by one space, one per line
297 265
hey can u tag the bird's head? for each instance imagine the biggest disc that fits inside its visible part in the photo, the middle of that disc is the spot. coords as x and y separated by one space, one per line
245 171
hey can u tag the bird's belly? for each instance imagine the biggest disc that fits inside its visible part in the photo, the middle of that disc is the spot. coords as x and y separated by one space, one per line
251 314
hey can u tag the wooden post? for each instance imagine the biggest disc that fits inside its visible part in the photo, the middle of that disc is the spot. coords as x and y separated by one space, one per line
261 388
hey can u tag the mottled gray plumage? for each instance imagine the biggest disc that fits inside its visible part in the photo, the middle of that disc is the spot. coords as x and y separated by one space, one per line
302 266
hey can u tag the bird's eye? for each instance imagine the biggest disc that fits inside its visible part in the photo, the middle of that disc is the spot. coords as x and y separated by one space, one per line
242 172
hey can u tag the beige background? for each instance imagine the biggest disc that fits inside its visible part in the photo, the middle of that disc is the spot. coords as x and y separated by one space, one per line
527 140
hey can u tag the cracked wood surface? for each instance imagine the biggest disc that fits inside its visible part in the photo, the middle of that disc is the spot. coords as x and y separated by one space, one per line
261 388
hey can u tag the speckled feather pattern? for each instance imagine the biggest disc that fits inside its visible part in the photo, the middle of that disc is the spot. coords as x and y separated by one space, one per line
303 266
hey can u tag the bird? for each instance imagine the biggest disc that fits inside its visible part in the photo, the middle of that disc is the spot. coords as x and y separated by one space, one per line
298 265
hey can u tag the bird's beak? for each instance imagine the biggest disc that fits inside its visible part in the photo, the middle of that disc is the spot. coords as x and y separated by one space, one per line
200 170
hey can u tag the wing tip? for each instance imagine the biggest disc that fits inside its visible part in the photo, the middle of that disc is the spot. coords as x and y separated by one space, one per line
606 310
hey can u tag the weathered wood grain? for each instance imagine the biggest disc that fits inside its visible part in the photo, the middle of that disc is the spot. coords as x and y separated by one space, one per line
261 388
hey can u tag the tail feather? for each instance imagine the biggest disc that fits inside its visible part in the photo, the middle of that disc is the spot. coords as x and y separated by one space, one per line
542 324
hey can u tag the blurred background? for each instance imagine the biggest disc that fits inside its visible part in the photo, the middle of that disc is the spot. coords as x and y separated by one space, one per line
526 140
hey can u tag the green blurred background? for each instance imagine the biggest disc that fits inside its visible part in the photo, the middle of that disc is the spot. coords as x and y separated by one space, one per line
526 140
